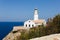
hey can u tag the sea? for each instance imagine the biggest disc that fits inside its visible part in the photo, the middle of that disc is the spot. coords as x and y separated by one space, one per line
6 27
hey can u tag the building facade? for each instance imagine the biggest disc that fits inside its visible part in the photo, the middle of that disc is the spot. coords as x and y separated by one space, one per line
35 22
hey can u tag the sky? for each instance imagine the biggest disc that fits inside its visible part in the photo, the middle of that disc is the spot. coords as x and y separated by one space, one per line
22 10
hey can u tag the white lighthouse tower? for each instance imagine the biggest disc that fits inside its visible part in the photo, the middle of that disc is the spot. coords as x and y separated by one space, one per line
36 14
34 23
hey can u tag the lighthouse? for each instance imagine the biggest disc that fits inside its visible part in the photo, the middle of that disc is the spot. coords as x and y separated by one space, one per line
35 14
35 22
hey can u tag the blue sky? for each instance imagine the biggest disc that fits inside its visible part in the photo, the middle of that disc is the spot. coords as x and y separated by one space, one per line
22 10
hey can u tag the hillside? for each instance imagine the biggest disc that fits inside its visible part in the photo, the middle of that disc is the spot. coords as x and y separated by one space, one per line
49 37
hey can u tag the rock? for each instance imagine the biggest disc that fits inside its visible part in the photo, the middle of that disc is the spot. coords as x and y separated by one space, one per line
16 32
12 36
48 37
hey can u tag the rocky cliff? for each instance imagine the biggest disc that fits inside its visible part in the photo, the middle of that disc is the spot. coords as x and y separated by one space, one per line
15 33
49 37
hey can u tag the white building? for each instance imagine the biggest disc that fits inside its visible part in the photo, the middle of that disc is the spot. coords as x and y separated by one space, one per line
35 22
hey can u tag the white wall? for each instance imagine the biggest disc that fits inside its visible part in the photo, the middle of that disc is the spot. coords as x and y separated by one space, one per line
29 22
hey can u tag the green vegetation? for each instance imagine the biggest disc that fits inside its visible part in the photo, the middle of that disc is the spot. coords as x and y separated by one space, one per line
53 26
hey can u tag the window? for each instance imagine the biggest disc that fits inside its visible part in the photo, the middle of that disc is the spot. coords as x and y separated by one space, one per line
32 25
29 21
26 25
29 25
